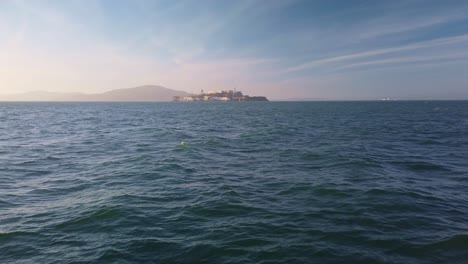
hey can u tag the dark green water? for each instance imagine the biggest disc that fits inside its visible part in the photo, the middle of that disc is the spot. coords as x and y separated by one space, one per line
320 182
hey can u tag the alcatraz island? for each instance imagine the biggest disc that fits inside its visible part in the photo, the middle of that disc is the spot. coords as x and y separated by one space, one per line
225 96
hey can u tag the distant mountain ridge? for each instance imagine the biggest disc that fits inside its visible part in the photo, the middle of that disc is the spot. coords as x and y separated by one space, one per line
145 93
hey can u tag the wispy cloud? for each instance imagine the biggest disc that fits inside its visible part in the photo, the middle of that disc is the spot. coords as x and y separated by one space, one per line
411 59
371 53
407 20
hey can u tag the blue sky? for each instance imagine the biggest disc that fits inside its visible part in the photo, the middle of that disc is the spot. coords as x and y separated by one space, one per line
279 48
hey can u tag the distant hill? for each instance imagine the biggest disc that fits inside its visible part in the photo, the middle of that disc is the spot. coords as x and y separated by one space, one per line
146 93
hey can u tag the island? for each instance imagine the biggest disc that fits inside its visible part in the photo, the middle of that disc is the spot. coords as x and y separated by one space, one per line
224 96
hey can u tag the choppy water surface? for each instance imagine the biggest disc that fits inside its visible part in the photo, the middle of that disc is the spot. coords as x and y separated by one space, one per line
320 182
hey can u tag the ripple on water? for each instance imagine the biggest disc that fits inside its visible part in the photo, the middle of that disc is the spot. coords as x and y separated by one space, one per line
322 182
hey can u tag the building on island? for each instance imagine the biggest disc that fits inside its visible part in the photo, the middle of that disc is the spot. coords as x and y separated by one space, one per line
223 96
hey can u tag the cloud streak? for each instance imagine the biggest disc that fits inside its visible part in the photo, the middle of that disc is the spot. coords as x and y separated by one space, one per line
413 59
371 53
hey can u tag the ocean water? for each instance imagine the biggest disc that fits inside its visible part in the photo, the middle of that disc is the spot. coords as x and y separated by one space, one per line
254 182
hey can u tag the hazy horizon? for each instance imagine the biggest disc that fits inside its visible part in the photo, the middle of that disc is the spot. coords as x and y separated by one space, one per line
47 96
353 50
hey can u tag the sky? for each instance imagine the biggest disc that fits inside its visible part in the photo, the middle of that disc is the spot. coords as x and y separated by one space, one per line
283 49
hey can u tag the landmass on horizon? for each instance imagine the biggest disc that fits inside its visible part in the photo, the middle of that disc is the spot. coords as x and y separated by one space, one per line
145 93
223 96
